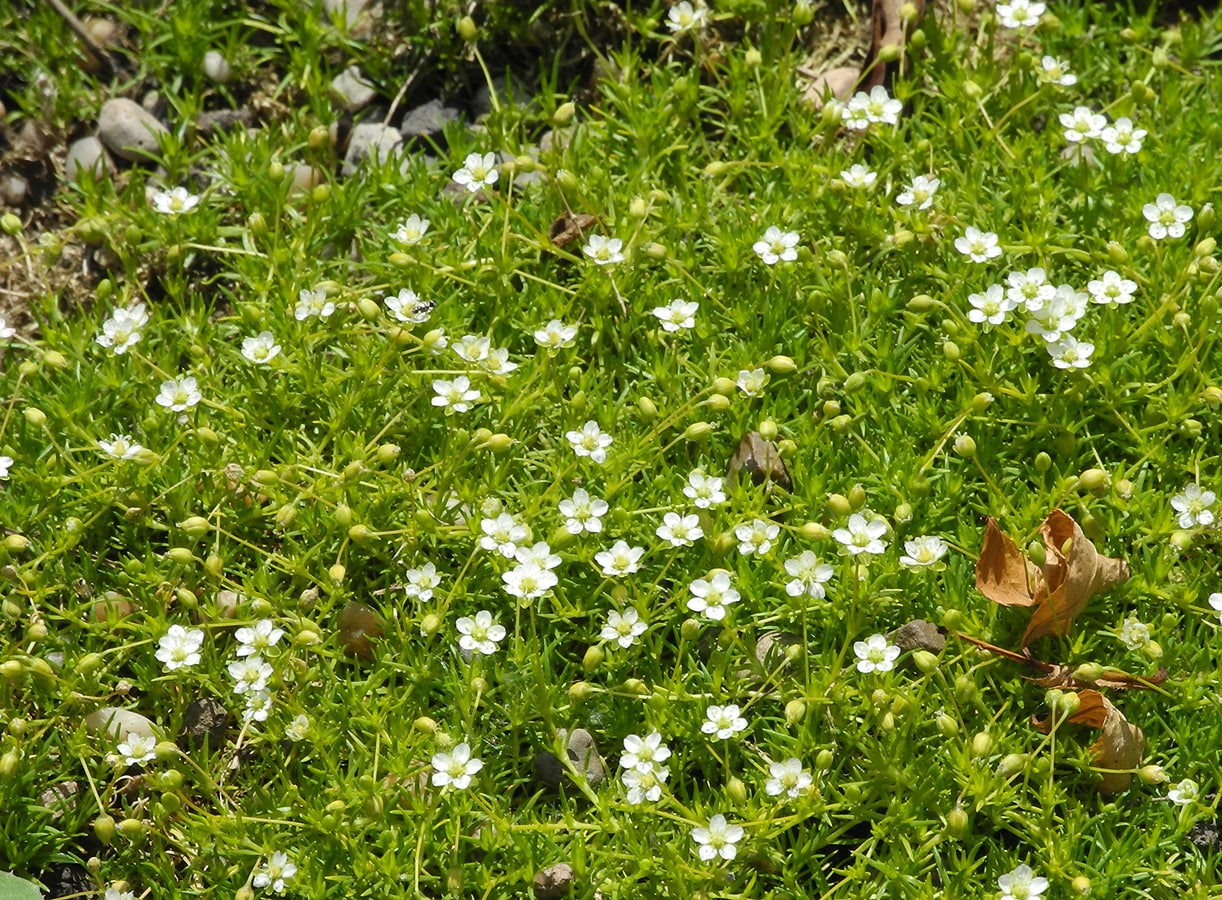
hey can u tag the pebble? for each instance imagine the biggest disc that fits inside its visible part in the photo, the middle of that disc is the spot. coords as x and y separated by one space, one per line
553 882
85 155
128 129
350 9
216 67
428 120
117 723
13 190
350 91
582 751
205 722
370 140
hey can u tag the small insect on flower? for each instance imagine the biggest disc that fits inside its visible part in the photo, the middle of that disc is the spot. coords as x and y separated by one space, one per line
407 307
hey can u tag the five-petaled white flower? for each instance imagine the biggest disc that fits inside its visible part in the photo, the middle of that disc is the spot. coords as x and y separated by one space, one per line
1122 137
1166 217
480 634
456 395
121 330
1083 124
991 307
777 246
752 381
477 172
623 627
1184 793
179 393
472 348
755 537
603 250
120 446
1134 633
173 202
858 176
1021 884
297 729
249 673
1059 314
178 648
116 894
980 246
680 530
422 581
406 306
1030 289
6 463
620 559
503 533
1193 506
704 490
529 580
875 654
413 228
723 722
261 348
1111 289
711 596
1070 353
684 17
919 193
645 754
313 302
862 535
788 778
275 873
877 108
676 315
137 749
1055 71
926 550
590 441
583 513
6 330
807 575
258 706
456 768
644 786
718 839
257 638
1020 13
555 335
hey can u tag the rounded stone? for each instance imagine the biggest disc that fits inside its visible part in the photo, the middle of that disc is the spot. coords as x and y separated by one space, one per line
85 155
350 91
128 130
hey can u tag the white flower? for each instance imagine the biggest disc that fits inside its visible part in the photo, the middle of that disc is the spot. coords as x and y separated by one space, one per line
1058 316
456 768
704 490
1215 600
1055 71
179 393
752 381
120 446
297 729
858 176
414 228
529 580
260 349
1123 137
684 17
1020 13
644 754
275 873
313 303
497 362
992 306
862 535
258 706
788 778
1030 289
137 749
777 246
421 582
407 307
981 246
456 395
808 575
503 534
1022 883
882 108
919 193
1112 290
6 462
723 722
121 331
539 554
712 596
718 839
1166 218
1193 506
623 627
472 348
925 550
555 335
477 172
644 786
678 314
479 634
583 513
1070 353
178 648
1184 793
603 250
1083 124
755 537
590 441
116 894
249 674
1134 633
258 638
6 330
679 530
621 559
173 202
875 654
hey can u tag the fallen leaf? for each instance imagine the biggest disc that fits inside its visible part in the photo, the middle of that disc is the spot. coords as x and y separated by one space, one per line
1074 571
1003 573
1120 746
568 228
839 82
888 30
1112 679
761 460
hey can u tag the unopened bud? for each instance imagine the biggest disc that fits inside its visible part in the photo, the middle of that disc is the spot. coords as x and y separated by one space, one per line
581 690
1012 764
592 659
781 365
180 555
925 661
564 114
195 526
736 790
795 711
982 744
814 531
35 416
698 431
467 29
965 446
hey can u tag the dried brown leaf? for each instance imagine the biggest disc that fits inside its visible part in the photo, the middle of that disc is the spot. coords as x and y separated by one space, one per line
887 27
1120 746
1112 679
760 461
568 228
1003 573
840 82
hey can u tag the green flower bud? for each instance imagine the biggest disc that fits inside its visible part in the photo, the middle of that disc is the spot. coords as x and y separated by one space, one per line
593 658
697 431
35 416
368 309
1152 774
132 829
965 446
855 382
15 543
925 661
275 170
1012 764
1207 215
795 711
1088 672
814 531
857 497
982 745
337 573
1081 886
839 505
753 58
10 224
718 402
1096 481
736 790
467 29
950 350
768 429
564 114
724 386
841 424
360 534
803 14
180 555
343 515
581 690
690 630
195 526
55 359
945 723
104 828
958 824
636 686
781 365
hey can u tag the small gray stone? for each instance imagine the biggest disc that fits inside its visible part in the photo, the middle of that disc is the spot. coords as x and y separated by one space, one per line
85 155
582 751
918 635
553 882
371 141
128 130
216 121
350 91
205 724
13 190
216 67
428 120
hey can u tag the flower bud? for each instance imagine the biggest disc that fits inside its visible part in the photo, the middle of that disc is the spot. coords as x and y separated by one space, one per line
690 630
368 309
803 13
132 829
839 505
768 429
958 823
343 515
965 446
580 690
10 224
1152 774
950 350
925 661
195 526
1152 650
982 745
795 711
753 58
946 724
718 402
564 114
499 442
360 534
1207 215
1081 886
855 382
715 168
467 29
430 624
724 386
337 573
35 416
814 531
1096 481
697 431
55 359
180 555
781 365
857 497
636 686
592 659
104 828
736 790
567 180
